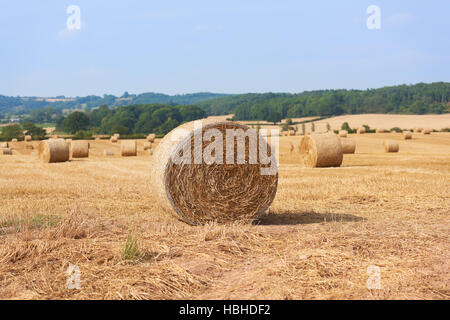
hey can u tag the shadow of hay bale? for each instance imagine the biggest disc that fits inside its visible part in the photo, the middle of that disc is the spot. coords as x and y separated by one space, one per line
290 218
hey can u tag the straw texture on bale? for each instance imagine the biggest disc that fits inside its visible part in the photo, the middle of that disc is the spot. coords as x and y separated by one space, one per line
54 150
406 135
29 146
147 145
27 138
151 137
4 145
205 192
79 149
108 153
391 146
14 140
128 148
321 150
343 133
6 151
361 130
348 145
426 131
114 139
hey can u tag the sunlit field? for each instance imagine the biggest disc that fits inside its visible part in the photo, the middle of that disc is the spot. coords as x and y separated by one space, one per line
322 232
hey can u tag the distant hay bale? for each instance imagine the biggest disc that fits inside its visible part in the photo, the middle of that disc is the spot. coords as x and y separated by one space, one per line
6 151
206 192
426 131
55 136
406 135
361 130
343 133
380 130
114 139
321 150
79 149
417 130
291 133
348 145
117 135
27 138
151 137
285 133
14 140
128 148
108 153
147 145
391 146
4 145
54 150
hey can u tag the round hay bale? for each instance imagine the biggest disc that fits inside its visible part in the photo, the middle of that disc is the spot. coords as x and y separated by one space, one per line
426 131
79 149
29 146
128 148
54 150
4 145
361 130
147 145
6 151
406 135
348 145
55 136
343 133
417 130
117 135
14 140
321 150
151 137
27 138
391 146
291 133
380 130
223 190
114 139
108 153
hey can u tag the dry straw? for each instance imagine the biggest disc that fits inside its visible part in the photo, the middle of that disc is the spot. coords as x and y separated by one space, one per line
361 130
29 146
114 139
27 138
426 131
128 148
54 150
151 137
147 145
6 151
348 145
321 150
4 145
202 193
117 135
406 135
380 130
14 140
417 130
79 149
108 153
343 133
391 146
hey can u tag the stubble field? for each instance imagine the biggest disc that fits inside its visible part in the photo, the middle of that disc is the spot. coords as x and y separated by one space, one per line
324 229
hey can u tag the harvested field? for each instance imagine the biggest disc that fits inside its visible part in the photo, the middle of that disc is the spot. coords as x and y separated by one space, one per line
326 226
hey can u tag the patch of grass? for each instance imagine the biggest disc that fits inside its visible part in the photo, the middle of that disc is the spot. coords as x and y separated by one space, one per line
38 221
131 250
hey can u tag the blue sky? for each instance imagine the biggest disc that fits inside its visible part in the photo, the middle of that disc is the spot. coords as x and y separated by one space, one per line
219 46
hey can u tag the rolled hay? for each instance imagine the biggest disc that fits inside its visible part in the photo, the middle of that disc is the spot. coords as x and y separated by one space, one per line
147 145
117 135
285 133
114 139
4 145
27 138
417 130
361 130
321 150
426 131
29 146
291 133
108 153
151 137
406 135
128 148
343 133
348 145
14 140
291 147
6 151
223 190
79 149
380 130
391 146
150 152
54 150
55 136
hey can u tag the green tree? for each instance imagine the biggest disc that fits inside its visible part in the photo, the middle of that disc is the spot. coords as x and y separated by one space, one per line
11 132
33 130
274 117
76 121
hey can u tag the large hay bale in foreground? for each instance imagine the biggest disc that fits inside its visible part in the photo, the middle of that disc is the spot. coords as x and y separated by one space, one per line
128 148
361 130
4 145
426 131
54 150
343 133
391 146
406 135
321 150
348 145
6 151
27 138
151 137
200 192
79 149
